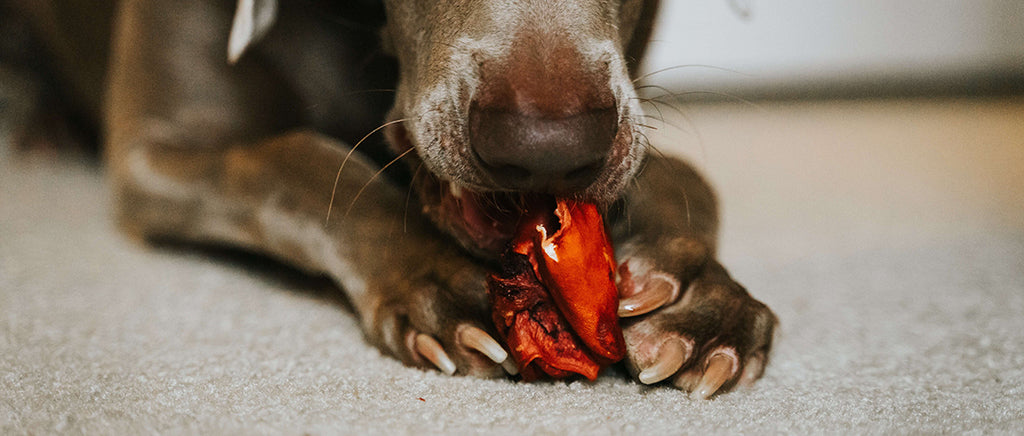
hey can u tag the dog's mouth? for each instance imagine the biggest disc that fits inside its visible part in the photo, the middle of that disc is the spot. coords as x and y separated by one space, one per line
483 221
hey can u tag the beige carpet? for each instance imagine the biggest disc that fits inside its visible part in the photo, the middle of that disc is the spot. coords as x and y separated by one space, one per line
887 235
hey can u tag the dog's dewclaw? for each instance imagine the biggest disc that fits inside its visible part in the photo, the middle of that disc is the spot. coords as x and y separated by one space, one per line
555 300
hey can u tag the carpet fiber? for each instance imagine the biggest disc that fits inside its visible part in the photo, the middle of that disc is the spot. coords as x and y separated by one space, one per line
888 236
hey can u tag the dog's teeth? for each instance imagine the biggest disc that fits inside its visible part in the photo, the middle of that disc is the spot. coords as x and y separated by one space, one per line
479 340
654 295
671 356
429 348
720 368
510 367
456 190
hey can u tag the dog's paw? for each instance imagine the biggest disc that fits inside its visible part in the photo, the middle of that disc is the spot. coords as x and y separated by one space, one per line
438 321
704 336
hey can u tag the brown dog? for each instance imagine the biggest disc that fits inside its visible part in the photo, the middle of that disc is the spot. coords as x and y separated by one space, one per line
493 98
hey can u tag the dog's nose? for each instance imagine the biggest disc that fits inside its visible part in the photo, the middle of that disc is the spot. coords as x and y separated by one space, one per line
543 118
537 153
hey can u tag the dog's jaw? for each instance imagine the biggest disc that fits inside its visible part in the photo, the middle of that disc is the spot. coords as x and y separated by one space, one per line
478 213
483 217
451 67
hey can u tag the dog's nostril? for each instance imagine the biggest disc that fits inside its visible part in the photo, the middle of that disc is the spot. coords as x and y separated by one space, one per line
537 153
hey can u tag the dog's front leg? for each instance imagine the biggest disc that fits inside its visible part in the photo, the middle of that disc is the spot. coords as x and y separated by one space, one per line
685 319
408 285
194 154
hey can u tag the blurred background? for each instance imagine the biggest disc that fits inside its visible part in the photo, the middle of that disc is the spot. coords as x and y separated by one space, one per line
799 48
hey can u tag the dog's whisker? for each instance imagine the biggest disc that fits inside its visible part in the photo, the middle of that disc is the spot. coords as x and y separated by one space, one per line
676 126
686 205
337 178
408 198
674 165
645 141
659 117
373 178
655 101
664 90
678 95
369 91
678 67
665 123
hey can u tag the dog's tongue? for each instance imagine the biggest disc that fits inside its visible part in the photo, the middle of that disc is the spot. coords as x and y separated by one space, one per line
555 301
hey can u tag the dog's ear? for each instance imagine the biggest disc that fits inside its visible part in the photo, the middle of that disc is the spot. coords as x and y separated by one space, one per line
253 18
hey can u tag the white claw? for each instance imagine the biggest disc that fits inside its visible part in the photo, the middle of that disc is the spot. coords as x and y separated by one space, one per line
656 293
429 348
671 356
477 339
720 368
752 369
510 367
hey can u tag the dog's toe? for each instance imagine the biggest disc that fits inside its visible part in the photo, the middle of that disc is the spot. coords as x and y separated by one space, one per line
712 337
428 347
671 356
454 346
474 338
473 352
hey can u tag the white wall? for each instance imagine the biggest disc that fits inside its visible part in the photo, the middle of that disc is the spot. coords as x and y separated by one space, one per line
792 43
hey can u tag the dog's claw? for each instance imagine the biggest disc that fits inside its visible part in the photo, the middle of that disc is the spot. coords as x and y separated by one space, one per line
477 339
720 368
753 369
429 348
510 367
655 294
671 356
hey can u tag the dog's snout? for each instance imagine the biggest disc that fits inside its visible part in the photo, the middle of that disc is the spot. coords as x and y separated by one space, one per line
532 153
544 118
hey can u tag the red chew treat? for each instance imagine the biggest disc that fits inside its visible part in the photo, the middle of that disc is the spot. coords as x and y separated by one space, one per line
539 338
555 300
